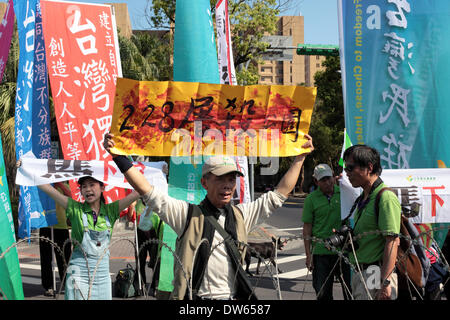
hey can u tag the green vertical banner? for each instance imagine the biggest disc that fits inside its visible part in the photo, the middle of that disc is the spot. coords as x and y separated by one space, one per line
194 55
10 278
195 60
184 184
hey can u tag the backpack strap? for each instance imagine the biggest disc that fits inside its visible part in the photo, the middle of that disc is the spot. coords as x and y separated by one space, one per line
188 219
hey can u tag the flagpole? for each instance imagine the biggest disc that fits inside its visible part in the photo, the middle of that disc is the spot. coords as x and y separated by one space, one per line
53 260
137 253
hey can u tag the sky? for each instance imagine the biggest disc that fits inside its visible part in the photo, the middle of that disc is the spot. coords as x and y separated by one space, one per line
321 22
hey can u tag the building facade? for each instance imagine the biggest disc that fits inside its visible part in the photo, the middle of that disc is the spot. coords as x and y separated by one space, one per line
300 69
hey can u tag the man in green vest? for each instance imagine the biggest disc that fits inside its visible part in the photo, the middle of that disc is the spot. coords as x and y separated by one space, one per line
201 227
321 215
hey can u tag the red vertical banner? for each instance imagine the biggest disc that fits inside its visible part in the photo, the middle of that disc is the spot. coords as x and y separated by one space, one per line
83 66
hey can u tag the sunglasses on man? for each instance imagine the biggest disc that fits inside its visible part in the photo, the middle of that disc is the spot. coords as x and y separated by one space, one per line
350 167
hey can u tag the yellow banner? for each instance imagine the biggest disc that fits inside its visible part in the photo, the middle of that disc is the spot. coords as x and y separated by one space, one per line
171 118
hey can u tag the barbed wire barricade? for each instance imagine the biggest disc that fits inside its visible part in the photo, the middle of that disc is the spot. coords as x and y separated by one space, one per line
269 272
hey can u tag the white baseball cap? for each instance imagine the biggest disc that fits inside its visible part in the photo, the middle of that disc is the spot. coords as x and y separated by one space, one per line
220 165
322 170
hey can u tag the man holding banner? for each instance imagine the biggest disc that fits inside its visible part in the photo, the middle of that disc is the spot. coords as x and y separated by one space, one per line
213 276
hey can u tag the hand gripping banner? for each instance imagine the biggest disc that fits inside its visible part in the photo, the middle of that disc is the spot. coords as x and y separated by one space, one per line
33 172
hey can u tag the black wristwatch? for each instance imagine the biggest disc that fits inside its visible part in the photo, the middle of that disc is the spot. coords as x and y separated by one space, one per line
386 283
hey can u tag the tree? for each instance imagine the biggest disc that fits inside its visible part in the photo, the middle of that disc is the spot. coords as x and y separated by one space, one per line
146 57
7 107
327 121
250 20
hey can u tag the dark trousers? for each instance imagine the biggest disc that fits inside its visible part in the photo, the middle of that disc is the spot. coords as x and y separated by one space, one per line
144 251
323 276
45 250
150 249
446 253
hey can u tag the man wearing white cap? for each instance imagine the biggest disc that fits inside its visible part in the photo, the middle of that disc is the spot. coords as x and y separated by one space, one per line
215 274
321 214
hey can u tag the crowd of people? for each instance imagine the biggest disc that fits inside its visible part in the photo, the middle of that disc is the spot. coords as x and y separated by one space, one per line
217 223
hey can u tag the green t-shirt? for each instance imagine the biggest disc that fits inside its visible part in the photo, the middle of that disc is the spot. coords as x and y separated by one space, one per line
155 221
75 212
371 246
324 215
60 211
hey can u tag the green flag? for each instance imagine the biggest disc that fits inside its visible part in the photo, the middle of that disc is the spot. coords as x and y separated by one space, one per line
10 278
194 60
347 144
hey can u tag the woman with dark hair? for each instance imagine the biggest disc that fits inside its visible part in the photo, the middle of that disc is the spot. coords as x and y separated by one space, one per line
92 221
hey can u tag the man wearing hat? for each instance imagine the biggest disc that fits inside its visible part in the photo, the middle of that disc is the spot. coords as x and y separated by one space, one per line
321 214
211 265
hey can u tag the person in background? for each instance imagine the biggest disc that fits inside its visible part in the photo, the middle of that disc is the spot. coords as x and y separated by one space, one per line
321 215
60 237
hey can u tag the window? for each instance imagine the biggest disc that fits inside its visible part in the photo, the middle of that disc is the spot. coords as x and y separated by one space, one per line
266 69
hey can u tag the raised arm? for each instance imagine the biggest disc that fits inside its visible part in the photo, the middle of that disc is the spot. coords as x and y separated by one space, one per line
128 200
134 177
287 183
53 193
57 196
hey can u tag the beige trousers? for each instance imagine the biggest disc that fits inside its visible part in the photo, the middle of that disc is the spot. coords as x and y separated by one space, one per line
361 290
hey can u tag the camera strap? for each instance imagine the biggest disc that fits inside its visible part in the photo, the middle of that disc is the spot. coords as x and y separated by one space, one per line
360 203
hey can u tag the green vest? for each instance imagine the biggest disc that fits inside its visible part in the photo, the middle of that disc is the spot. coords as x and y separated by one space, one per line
188 243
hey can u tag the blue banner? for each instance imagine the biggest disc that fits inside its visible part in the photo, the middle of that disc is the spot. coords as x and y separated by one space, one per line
394 58
32 115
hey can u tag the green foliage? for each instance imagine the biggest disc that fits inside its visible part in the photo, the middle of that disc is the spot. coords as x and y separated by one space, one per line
247 76
327 122
7 107
145 57
250 20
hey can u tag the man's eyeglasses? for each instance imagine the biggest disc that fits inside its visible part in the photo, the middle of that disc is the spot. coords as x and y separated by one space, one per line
350 167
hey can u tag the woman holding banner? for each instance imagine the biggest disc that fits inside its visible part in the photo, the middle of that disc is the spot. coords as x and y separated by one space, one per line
92 220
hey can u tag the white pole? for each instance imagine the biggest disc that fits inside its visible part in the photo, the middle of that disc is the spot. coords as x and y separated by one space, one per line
252 181
138 266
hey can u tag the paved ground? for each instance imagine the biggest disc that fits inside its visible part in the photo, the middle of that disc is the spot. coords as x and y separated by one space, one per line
294 283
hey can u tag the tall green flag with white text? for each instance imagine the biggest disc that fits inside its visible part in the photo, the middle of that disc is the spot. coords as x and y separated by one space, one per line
10 278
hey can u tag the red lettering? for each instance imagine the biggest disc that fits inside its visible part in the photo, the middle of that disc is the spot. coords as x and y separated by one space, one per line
434 198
